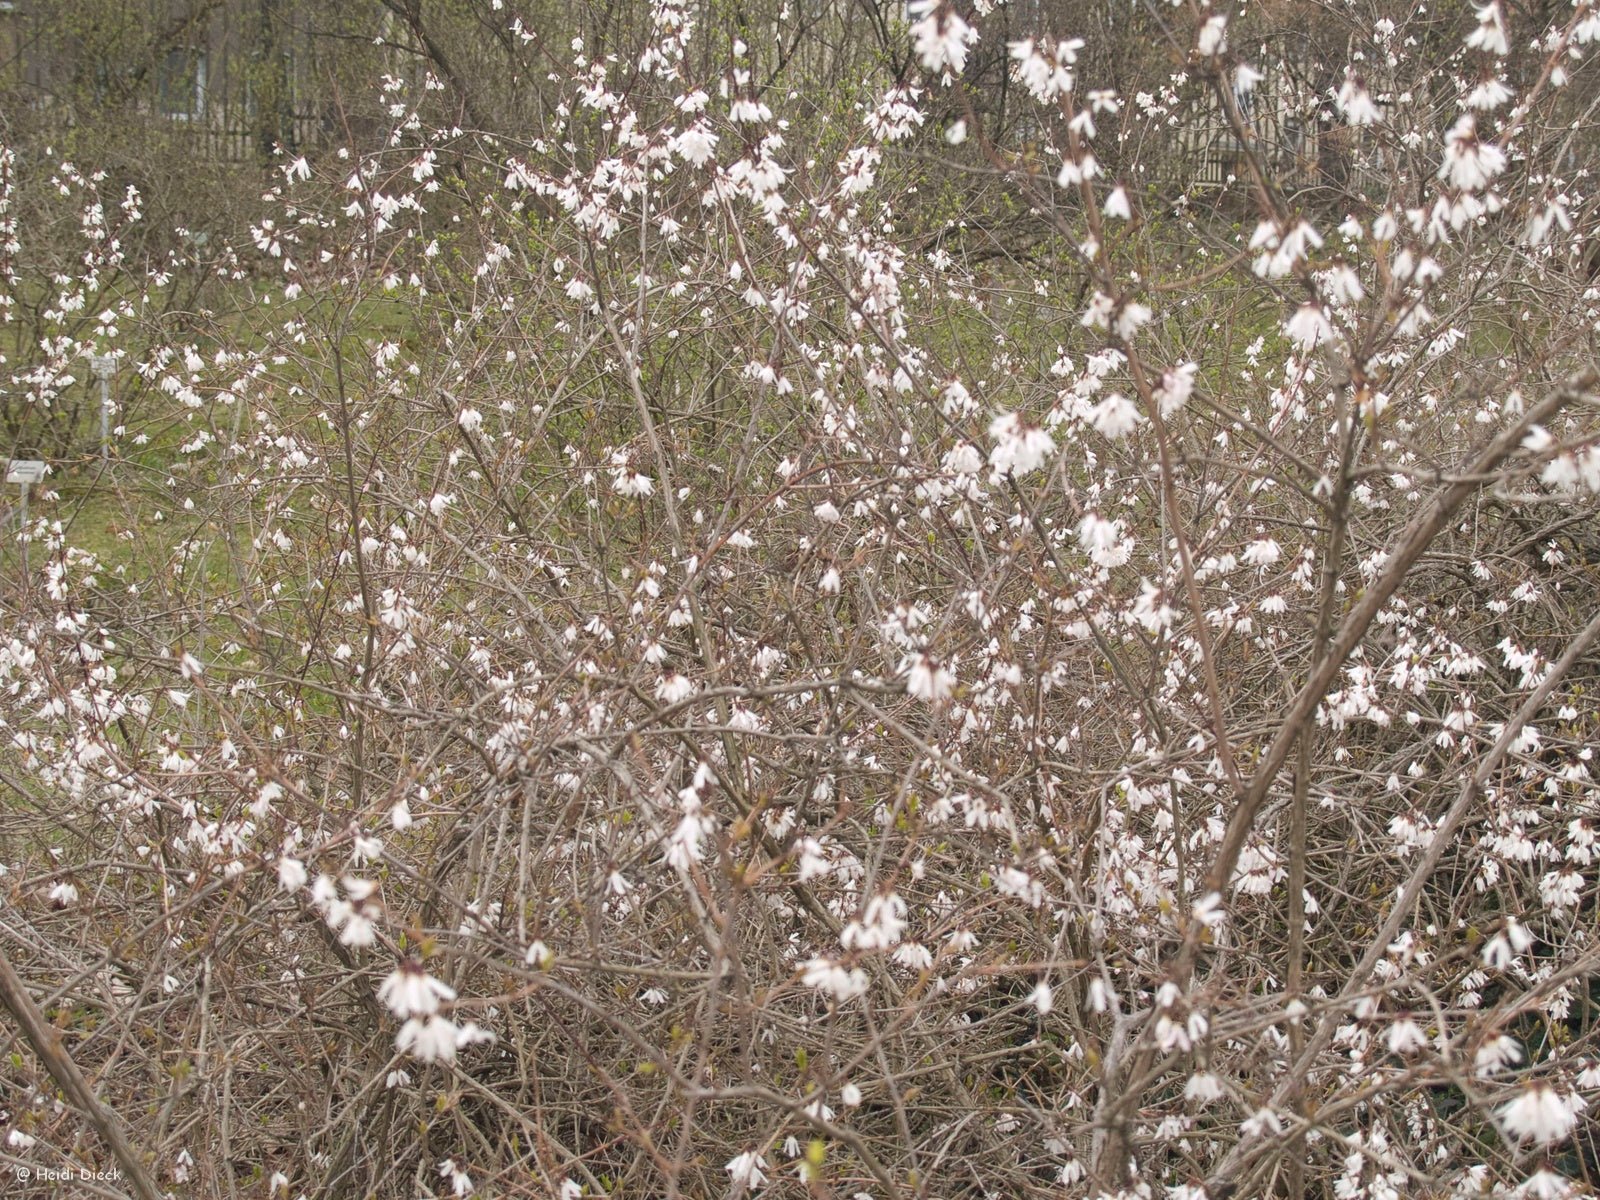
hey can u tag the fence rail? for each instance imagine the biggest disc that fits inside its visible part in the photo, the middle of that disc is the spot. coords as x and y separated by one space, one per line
232 141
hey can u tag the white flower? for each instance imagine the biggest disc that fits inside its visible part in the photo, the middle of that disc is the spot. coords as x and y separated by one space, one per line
1098 314
1103 541
1488 95
897 115
881 925
632 483
292 874
1077 170
826 512
1209 910
63 895
1262 1121
1202 1088
1405 1036
696 145
913 956
1042 998
957 133
1356 103
956 400
1539 1114
1262 553
359 931
1045 73
830 977
460 1181
409 991
270 792
1019 447
926 680
1213 37
1258 869
748 1169
684 845
1470 164
1497 953
746 111
1344 285
1177 385
1131 318
539 956
1490 35
674 688
1561 472
1117 205
1497 1054
1553 213
1545 1185
470 420
812 864
1012 881
1115 417
430 1039
1309 327
941 38
961 941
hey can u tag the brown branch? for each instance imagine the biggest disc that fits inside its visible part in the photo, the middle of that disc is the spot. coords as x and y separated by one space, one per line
1440 842
1413 542
46 1043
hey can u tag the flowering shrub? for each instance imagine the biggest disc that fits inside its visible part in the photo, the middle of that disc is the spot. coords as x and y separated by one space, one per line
638 661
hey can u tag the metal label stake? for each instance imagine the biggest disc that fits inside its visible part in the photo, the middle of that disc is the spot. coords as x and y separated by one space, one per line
25 472
103 366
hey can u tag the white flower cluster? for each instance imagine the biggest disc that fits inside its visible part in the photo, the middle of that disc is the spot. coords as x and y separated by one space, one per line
879 927
685 844
940 37
1045 70
415 996
1356 103
927 680
835 980
1020 447
1542 1115
1470 163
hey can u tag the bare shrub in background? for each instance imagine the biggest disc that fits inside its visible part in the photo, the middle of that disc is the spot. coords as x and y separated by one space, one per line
753 642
